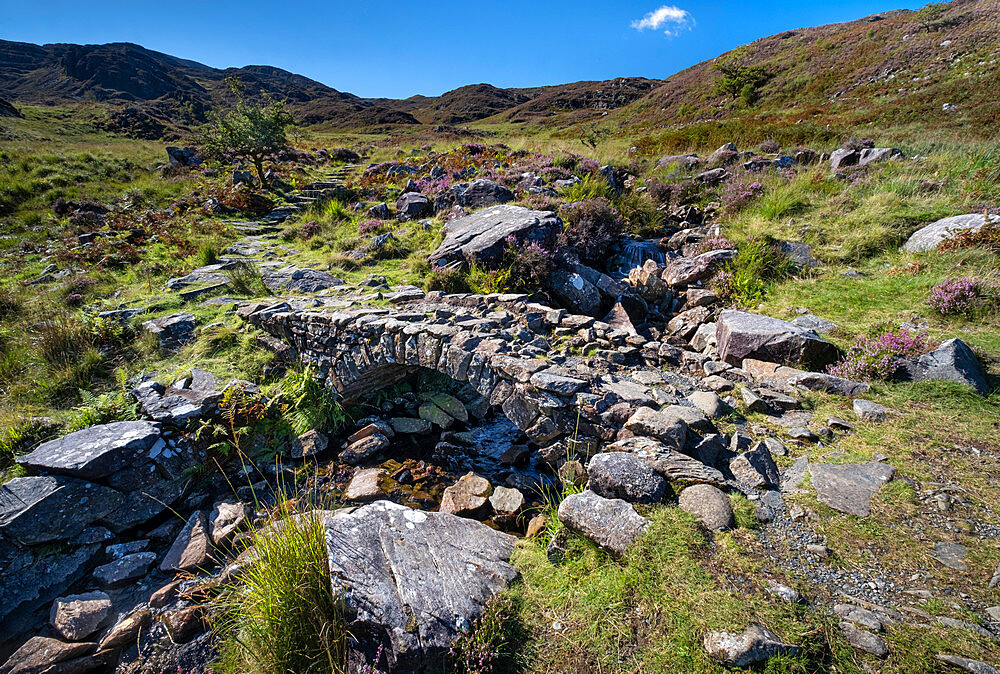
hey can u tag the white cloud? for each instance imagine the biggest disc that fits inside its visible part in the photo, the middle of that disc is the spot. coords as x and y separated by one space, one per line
674 19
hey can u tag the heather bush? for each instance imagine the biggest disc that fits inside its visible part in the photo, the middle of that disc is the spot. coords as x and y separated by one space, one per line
769 146
309 229
964 296
718 242
594 228
449 281
659 192
986 237
686 192
738 195
530 266
369 227
879 354
480 650
641 215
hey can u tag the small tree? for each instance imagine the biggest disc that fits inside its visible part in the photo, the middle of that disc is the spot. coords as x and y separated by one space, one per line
930 15
739 79
249 130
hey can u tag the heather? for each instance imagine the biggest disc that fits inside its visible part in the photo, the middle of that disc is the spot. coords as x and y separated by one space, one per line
880 355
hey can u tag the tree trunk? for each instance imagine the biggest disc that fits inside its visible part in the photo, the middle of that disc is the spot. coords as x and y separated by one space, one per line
258 161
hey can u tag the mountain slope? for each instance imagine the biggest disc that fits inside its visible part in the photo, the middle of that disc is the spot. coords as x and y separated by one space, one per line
896 69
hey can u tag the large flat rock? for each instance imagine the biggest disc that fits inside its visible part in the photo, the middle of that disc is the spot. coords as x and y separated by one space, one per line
931 236
671 464
414 580
35 510
849 487
97 452
744 335
481 237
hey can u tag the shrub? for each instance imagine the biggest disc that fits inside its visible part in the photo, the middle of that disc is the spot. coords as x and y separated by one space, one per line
369 227
878 355
102 409
770 146
986 237
281 615
719 242
478 651
659 192
449 281
309 229
641 215
530 266
594 229
965 296
307 404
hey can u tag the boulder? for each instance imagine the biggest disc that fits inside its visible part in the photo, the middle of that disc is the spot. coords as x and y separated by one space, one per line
849 487
35 510
744 335
78 616
684 271
414 580
295 280
575 292
508 504
624 475
828 383
753 645
612 524
412 205
432 413
126 630
928 237
647 281
173 405
842 158
368 446
96 452
799 253
669 463
666 427
872 155
864 641
685 161
468 497
192 546
482 237
173 331
952 361
473 195
708 504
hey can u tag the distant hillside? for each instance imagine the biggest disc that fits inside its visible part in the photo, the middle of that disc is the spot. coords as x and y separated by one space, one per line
936 69
129 74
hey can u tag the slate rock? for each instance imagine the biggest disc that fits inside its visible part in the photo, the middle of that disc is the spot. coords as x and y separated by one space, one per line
414 580
849 487
310 443
410 425
481 237
612 524
35 510
226 520
624 475
173 331
815 323
952 361
98 451
294 279
684 271
708 504
929 237
575 292
744 335
507 504
77 616
670 463
42 654
754 645
967 664
192 546
366 447
412 205
473 195
828 383
126 630
172 405
800 254
951 554
365 485
125 569
756 468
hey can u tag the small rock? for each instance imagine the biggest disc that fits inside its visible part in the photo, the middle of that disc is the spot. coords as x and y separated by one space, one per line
755 644
624 475
972 666
870 411
820 551
864 640
41 654
365 485
309 444
126 631
785 593
468 497
406 425
708 504
165 595
951 555
756 468
226 519
127 568
191 548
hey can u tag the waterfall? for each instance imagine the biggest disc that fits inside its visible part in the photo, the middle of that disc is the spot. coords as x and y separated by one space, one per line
637 251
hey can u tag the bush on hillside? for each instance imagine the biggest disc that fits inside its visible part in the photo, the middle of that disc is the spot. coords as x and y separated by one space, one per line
964 296
594 228
879 354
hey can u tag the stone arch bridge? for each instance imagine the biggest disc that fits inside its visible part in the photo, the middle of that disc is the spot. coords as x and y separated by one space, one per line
522 357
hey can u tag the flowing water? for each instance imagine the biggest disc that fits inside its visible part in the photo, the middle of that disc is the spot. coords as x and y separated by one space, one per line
636 251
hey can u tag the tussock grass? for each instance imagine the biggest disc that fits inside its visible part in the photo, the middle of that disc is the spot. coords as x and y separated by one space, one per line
281 615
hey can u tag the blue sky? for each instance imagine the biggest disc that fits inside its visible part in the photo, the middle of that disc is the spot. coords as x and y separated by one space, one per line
397 49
